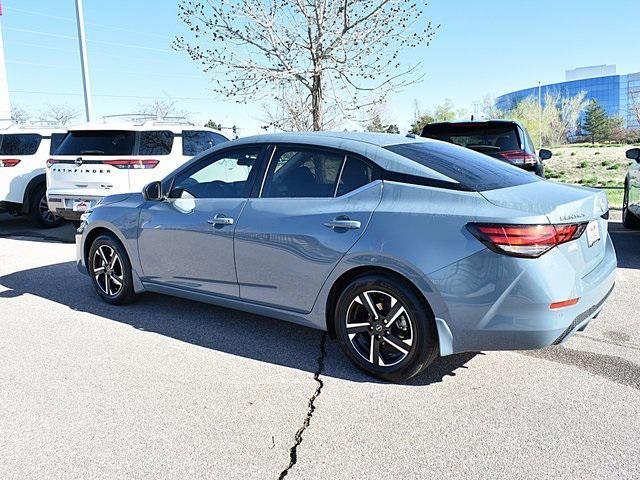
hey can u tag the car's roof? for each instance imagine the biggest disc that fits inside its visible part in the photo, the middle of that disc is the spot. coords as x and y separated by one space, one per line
367 144
479 123
320 138
139 127
31 129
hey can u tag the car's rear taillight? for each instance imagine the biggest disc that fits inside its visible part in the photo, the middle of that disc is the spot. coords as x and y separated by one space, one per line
514 156
530 159
11 162
525 240
132 164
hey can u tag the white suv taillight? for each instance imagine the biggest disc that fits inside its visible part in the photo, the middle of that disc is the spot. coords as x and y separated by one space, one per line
132 164
12 162
525 240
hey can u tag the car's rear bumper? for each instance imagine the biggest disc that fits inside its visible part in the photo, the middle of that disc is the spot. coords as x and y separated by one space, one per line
503 303
62 204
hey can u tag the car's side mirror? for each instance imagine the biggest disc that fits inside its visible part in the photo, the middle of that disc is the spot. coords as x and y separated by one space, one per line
545 154
634 154
153 191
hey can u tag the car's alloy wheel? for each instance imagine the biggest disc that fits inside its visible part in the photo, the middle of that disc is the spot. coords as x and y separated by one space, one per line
110 270
47 215
385 328
107 270
379 328
39 212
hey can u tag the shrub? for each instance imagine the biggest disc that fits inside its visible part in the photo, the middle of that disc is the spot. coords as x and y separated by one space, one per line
583 164
615 166
605 163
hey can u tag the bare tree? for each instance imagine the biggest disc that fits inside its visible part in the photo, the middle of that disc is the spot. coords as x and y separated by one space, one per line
333 50
162 109
61 114
19 114
560 117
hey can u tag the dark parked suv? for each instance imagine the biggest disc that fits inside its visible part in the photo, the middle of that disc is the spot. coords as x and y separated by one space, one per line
502 139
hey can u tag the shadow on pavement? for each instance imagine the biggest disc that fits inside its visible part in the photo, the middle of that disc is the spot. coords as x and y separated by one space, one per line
229 331
627 244
19 227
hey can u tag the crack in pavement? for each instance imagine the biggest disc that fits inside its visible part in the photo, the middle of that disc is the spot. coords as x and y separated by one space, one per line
293 452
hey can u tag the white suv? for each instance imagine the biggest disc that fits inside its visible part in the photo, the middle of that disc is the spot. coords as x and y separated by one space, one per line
96 160
24 150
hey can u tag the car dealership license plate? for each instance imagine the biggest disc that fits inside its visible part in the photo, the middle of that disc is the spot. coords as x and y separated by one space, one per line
593 232
81 206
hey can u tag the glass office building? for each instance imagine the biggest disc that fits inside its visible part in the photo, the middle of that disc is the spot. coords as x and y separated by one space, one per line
619 95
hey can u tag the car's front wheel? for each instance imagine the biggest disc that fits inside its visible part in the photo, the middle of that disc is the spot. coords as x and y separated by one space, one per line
629 220
110 270
384 328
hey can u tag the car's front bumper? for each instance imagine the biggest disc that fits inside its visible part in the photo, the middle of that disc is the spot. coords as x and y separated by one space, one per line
63 205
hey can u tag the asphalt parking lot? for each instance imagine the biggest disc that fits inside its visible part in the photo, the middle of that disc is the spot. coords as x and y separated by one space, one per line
168 388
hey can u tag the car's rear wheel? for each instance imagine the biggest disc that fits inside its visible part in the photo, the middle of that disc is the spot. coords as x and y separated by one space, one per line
110 270
629 220
384 328
39 213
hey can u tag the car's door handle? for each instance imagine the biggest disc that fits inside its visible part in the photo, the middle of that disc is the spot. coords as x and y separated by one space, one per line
220 219
348 224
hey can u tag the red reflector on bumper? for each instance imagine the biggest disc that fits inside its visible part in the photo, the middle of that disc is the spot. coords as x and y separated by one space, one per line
565 303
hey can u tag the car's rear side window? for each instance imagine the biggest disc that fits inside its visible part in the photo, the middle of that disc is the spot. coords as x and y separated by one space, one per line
56 140
98 142
355 174
155 143
195 141
471 169
19 144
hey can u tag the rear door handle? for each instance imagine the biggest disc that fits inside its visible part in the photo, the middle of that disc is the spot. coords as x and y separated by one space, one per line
348 224
220 219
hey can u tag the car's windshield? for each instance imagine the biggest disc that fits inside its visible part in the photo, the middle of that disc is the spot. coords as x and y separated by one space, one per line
104 142
471 169
481 137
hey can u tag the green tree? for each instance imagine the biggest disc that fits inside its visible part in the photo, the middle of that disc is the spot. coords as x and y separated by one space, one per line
596 122
376 125
445 112
419 123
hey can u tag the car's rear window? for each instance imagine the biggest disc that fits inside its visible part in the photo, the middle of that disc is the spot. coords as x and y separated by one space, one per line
103 142
485 138
195 141
471 169
19 144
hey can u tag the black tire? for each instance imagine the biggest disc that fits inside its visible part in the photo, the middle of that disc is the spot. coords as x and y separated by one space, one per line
104 282
39 214
629 220
415 326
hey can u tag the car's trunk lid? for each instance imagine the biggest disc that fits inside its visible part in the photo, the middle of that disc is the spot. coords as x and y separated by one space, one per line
563 204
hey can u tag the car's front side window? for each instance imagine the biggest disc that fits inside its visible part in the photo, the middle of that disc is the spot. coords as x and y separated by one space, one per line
302 172
223 175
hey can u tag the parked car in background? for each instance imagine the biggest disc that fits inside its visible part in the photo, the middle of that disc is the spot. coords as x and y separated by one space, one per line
631 201
402 248
505 140
24 150
100 159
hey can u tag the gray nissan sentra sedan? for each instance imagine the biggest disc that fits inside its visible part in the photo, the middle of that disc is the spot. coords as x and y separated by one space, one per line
402 248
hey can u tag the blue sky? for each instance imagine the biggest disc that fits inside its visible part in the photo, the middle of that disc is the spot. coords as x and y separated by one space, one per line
482 47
